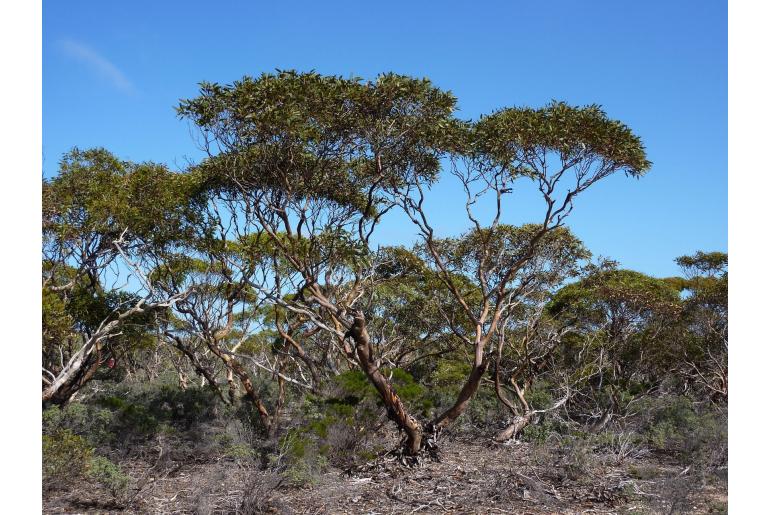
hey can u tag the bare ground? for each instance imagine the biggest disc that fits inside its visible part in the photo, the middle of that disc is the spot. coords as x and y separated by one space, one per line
473 476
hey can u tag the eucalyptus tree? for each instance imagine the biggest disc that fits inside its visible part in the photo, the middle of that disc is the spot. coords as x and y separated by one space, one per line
622 323
703 339
102 218
313 163
561 149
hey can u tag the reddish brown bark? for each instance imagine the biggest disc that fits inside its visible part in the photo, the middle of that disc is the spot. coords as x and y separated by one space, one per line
395 407
469 389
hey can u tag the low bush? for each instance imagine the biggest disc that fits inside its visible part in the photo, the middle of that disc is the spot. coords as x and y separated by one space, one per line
695 435
299 459
109 475
93 423
574 458
66 457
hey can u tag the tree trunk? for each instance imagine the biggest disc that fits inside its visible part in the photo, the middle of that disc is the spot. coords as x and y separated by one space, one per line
78 371
463 398
234 367
200 368
395 408
514 428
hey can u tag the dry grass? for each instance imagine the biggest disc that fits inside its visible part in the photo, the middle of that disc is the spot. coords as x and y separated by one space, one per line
473 476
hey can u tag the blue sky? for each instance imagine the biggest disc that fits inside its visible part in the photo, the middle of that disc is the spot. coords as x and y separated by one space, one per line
114 71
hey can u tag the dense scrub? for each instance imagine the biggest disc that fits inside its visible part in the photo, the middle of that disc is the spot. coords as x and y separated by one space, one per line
159 448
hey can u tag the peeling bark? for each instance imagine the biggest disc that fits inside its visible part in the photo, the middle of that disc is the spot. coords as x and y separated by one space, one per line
396 410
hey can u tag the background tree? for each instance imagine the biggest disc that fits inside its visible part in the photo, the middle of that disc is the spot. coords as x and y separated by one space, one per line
704 339
101 219
620 320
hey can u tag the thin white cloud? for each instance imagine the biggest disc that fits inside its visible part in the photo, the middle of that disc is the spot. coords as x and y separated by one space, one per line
98 64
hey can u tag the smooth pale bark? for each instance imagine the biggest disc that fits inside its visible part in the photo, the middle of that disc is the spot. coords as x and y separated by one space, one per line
514 428
82 372
81 367
522 421
234 367
74 374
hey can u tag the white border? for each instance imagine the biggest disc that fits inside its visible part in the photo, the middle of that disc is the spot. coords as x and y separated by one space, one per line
20 297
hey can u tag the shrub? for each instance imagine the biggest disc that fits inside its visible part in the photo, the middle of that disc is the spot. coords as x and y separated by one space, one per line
698 437
574 457
234 446
66 457
643 472
621 446
539 430
109 475
299 460
92 423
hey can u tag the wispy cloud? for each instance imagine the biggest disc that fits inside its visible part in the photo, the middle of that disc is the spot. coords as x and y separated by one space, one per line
98 64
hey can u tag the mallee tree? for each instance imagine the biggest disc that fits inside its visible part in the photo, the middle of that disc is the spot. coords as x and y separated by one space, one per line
310 165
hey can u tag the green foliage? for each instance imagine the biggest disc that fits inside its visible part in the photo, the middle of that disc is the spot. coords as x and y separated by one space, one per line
353 387
540 431
697 436
300 460
137 418
109 475
132 415
497 250
704 263
331 130
575 133
93 423
69 436
611 292
540 395
97 196
66 457
240 452
143 412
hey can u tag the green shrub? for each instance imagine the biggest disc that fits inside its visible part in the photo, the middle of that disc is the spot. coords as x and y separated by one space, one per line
236 450
538 431
109 475
66 457
299 460
132 417
539 395
697 436
90 422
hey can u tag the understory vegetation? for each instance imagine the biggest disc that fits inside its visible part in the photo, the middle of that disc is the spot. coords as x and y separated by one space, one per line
229 338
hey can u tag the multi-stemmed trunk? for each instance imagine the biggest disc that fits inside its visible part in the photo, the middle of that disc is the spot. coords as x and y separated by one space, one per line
418 436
